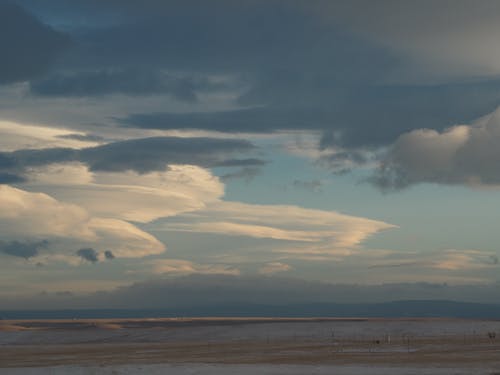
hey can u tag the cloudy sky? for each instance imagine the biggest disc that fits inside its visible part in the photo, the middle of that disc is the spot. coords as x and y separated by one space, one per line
320 142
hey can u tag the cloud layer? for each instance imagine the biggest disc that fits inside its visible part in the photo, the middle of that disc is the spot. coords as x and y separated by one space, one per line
325 67
126 127
135 155
205 291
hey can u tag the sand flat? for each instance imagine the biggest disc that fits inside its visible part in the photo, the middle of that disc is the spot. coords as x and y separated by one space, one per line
347 345
217 369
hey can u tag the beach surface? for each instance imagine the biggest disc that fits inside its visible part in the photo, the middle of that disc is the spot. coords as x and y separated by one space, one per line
250 346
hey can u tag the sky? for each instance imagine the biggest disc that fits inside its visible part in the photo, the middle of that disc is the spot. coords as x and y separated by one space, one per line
260 148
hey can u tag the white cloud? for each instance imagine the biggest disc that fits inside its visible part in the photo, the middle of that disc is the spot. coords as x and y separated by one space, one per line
73 208
274 267
26 216
326 232
37 214
129 195
464 154
93 209
27 136
449 260
454 260
249 230
61 174
125 239
185 267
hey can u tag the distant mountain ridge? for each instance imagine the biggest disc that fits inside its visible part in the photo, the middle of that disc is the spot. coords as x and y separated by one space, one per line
394 309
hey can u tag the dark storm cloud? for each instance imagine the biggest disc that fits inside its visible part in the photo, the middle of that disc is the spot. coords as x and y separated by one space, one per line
23 249
122 81
360 117
149 154
241 163
299 68
303 72
10 178
88 254
219 36
27 46
379 115
108 254
6 161
141 155
320 66
8 170
19 160
253 120
83 137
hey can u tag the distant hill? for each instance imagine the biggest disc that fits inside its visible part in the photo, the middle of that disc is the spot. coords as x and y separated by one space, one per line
395 309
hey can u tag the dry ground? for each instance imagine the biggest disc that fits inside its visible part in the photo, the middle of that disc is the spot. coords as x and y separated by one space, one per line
367 342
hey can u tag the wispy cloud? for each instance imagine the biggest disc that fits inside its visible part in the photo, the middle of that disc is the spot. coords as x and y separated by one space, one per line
17 136
129 195
450 260
274 267
185 267
323 231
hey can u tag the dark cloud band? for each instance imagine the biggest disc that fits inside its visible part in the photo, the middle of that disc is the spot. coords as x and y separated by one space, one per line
28 47
140 155
23 249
